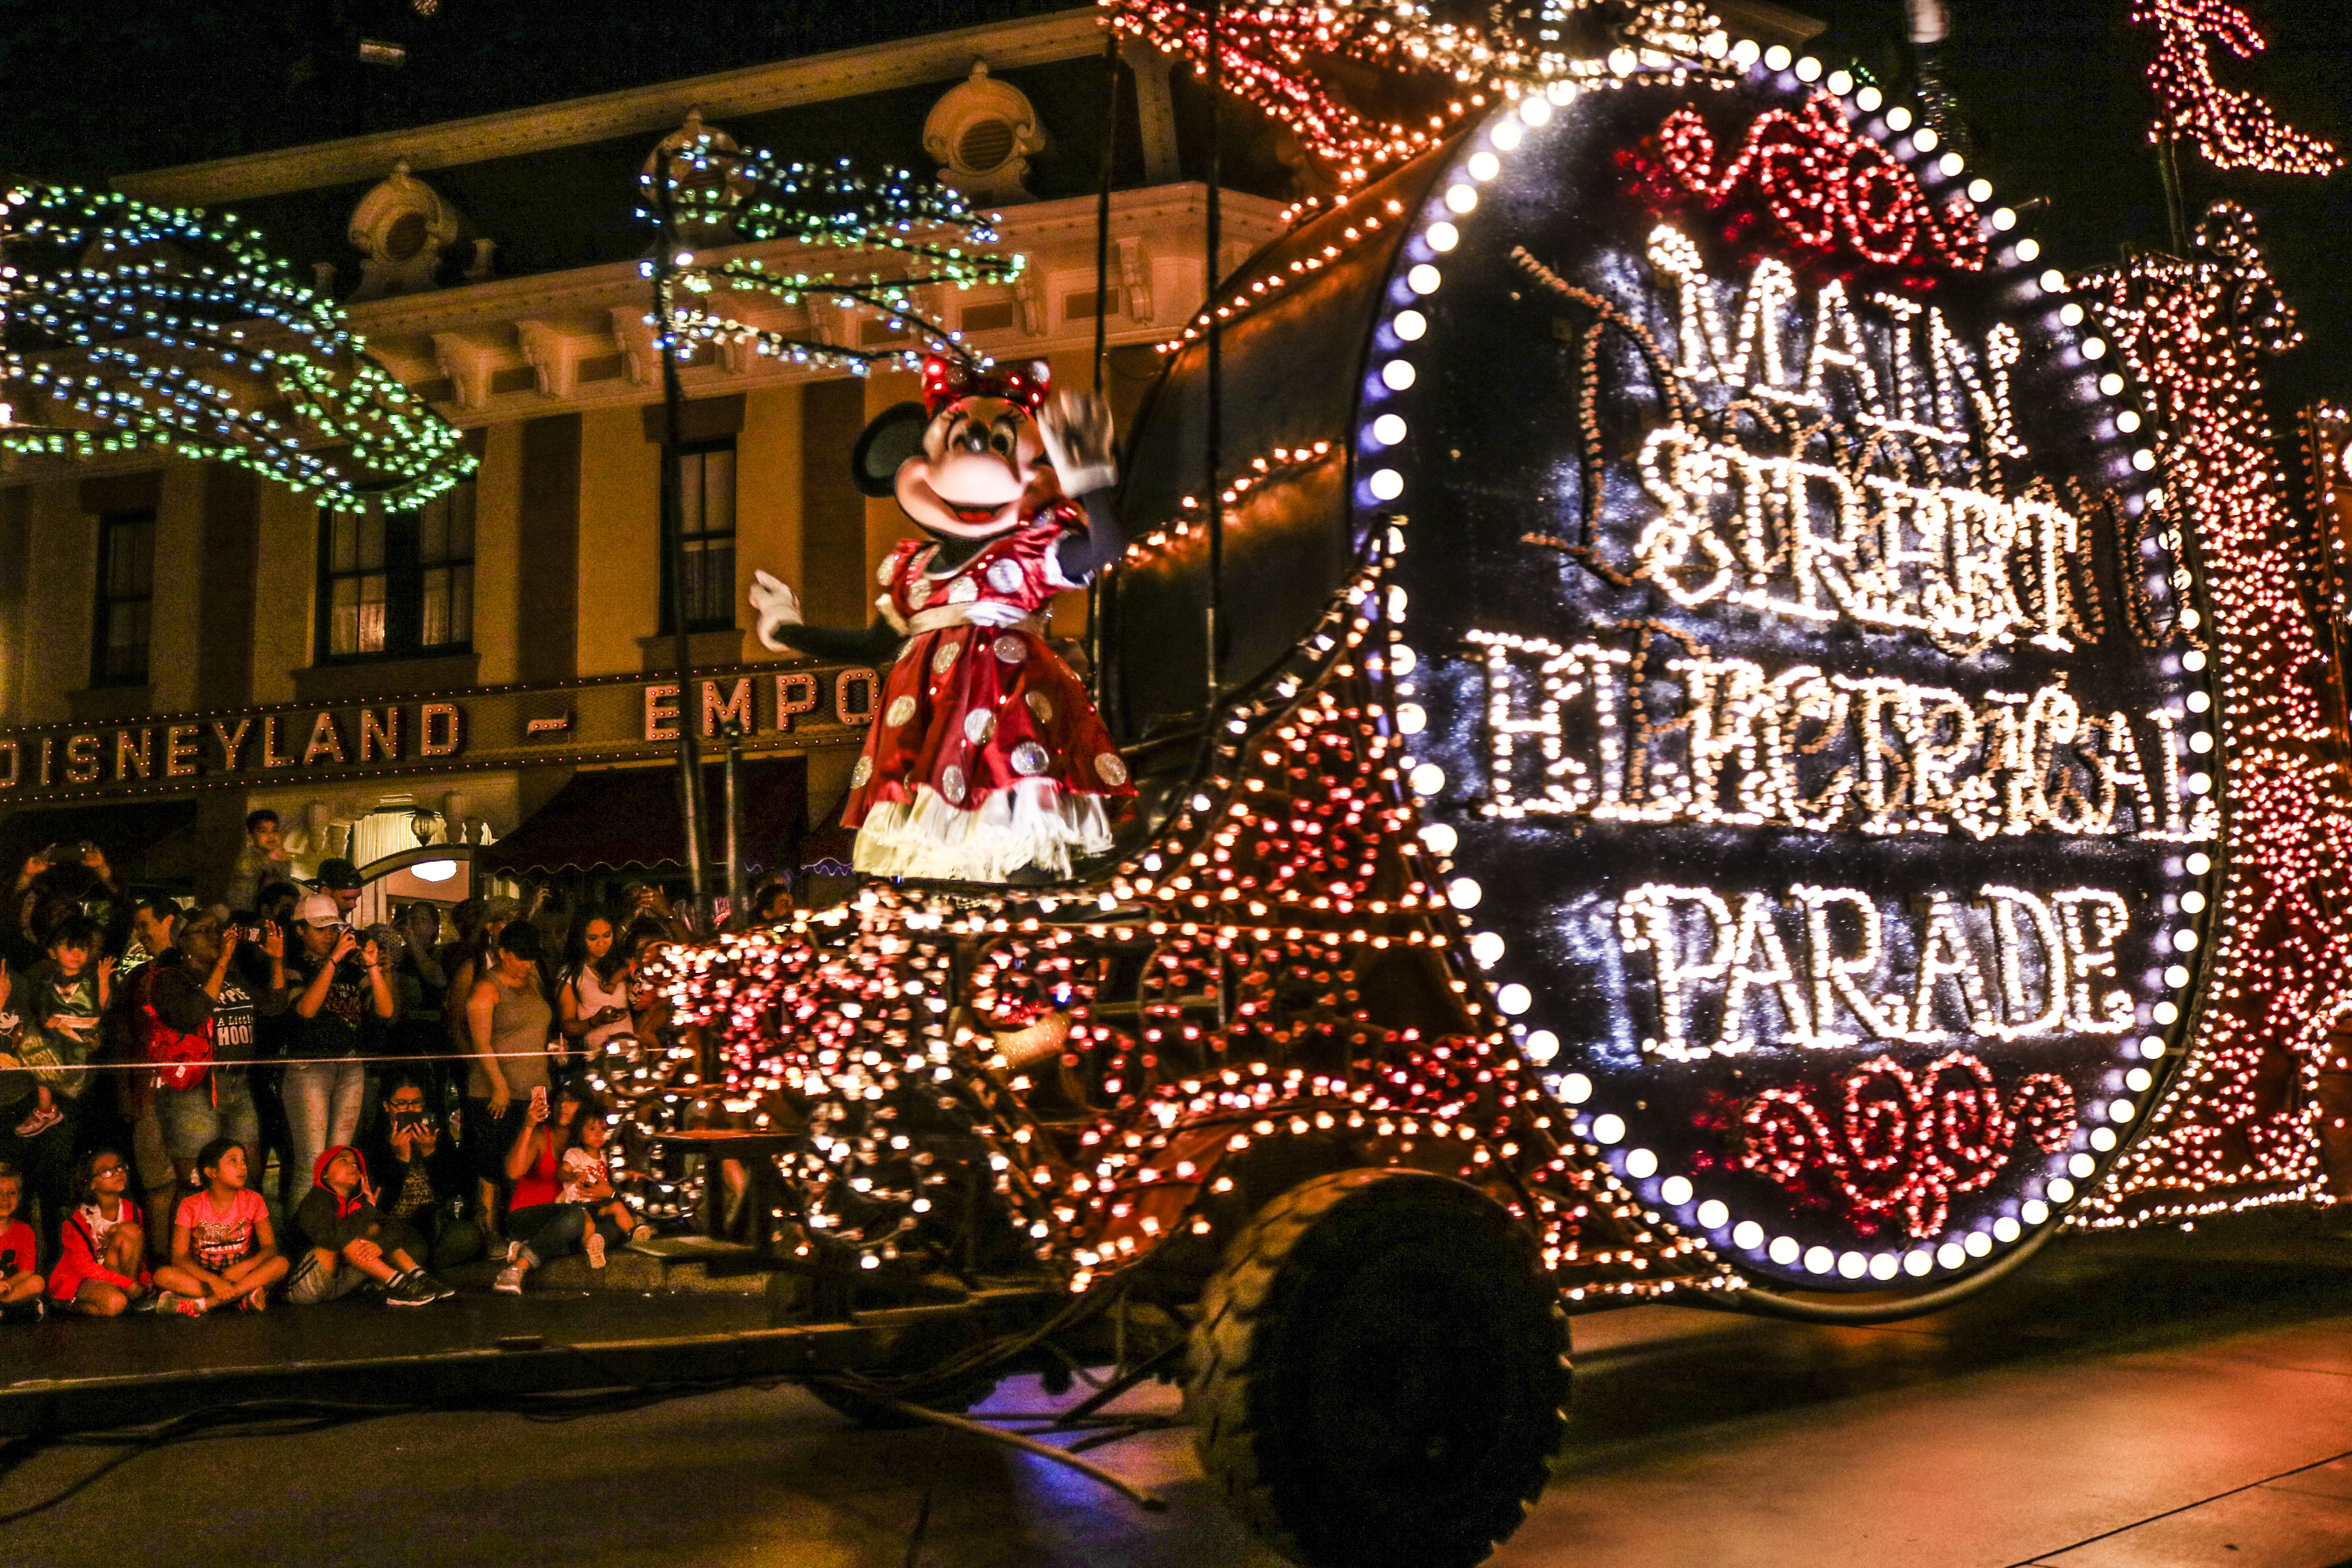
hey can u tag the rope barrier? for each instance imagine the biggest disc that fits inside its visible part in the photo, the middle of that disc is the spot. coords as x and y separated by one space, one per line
286 1061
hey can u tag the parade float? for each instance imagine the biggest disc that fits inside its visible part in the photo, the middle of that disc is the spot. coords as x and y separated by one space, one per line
1703 729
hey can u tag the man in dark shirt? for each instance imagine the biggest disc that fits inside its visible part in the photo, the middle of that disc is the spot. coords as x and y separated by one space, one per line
196 985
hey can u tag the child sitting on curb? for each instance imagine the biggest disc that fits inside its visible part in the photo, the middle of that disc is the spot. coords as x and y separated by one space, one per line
20 1275
348 1241
102 1271
224 1251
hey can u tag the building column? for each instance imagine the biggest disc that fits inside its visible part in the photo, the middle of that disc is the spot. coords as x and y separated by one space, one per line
547 595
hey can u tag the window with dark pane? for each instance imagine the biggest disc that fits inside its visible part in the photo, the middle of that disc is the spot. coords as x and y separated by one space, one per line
126 598
704 550
393 584
445 560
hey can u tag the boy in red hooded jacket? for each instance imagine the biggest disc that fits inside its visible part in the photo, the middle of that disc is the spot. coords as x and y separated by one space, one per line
348 1241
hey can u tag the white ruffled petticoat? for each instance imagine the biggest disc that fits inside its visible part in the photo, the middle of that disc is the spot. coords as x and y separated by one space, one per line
1030 823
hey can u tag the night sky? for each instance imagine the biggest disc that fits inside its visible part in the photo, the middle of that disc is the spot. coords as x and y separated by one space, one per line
2050 94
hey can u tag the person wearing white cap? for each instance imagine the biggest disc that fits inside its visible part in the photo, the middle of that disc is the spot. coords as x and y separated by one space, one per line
340 1006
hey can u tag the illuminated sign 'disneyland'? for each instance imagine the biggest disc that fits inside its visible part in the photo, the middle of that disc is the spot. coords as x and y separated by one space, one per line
1802 676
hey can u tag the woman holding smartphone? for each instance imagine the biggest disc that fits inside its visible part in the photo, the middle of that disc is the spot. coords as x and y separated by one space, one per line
509 1021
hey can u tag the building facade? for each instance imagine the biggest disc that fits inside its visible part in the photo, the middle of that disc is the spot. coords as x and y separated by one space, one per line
181 642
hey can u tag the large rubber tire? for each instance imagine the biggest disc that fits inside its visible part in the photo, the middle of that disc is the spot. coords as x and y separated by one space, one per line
1379 1373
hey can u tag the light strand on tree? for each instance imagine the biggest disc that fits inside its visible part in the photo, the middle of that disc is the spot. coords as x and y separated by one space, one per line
133 326
721 194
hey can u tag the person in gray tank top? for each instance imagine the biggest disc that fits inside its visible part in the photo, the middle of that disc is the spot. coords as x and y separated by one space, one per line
509 1021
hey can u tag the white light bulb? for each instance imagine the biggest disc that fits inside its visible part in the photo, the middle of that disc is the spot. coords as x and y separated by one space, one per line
1463 892
1487 947
1747 1235
1950 164
1776 57
1641 1165
1514 999
1868 98
1541 1046
2029 248
1925 139
1576 1088
1442 238
1713 1215
1397 375
1461 199
1437 835
1505 134
1485 165
1783 1250
1608 1128
1386 484
1410 325
1388 429
1423 278
1898 119
1809 69
1534 110
1840 82
1674 1191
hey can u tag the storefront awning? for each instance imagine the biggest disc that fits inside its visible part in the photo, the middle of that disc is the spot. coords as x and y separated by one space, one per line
629 817
148 843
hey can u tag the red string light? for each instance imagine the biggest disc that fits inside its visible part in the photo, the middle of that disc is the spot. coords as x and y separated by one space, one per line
2234 129
1828 191
1904 1144
2238 1126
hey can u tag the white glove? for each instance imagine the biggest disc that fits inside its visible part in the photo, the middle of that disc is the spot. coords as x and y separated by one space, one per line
1077 429
778 606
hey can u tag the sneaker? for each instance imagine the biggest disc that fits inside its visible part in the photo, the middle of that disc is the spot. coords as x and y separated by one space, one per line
409 1291
592 1244
441 1291
639 1236
181 1305
40 1122
514 1253
256 1303
509 1280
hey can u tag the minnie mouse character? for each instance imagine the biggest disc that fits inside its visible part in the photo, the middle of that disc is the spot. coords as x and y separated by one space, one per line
987 757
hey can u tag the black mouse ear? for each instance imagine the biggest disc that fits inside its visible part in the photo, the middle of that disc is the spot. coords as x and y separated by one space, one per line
894 436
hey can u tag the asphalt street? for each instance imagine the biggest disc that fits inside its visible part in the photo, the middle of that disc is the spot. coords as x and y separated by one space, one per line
2124 1402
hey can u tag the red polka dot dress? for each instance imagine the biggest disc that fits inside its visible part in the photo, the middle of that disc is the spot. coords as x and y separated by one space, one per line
987 756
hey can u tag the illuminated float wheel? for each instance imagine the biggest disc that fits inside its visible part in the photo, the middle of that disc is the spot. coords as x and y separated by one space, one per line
1380 1373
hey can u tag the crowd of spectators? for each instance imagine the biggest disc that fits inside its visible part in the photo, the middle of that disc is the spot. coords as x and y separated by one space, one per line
208 1109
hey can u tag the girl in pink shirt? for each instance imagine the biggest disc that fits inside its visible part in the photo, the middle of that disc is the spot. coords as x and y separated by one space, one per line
222 1248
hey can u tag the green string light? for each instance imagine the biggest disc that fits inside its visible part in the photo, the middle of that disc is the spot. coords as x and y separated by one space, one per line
714 187
148 327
